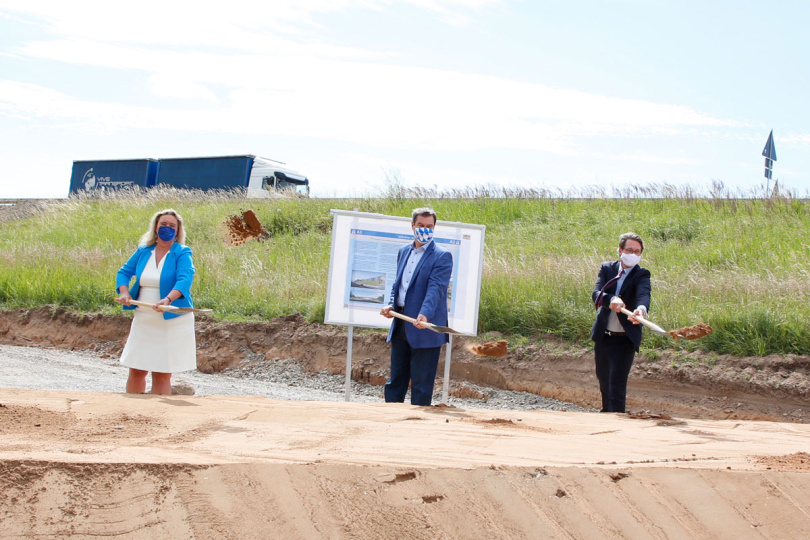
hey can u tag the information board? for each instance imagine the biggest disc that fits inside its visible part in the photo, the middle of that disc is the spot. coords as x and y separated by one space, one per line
363 267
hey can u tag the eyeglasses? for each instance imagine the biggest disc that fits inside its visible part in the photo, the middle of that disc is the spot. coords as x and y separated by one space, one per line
631 251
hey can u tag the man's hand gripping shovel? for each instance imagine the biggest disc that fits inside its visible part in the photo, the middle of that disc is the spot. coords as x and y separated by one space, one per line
430 326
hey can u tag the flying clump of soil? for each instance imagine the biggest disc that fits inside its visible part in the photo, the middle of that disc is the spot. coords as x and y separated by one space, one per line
692 332
242 228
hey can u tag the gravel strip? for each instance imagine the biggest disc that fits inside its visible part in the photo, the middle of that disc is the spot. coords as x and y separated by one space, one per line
55 369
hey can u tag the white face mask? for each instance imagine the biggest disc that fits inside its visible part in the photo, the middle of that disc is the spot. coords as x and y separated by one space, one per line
630 259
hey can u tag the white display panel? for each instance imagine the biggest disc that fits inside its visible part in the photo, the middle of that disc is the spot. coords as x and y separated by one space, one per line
363 266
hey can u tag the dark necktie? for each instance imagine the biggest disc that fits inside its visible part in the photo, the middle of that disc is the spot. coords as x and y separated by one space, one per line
601 295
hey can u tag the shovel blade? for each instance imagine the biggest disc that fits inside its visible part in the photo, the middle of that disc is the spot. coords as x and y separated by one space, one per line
443 329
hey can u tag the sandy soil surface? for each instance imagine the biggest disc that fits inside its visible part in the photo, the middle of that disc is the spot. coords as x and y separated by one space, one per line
84 465
700 455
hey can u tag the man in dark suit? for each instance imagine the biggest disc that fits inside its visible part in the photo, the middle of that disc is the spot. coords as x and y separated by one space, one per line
617 337
420 292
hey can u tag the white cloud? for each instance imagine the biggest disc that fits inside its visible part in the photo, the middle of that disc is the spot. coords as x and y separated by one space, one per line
794 138
364 102
233 75
184 23
171 85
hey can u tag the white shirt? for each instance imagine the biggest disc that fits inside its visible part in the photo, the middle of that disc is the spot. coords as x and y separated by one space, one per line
613 320
414 256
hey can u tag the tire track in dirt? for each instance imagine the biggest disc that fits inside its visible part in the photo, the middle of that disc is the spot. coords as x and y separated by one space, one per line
44 499
309 501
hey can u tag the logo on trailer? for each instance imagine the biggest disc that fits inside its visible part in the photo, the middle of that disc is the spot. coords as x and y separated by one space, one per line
90 182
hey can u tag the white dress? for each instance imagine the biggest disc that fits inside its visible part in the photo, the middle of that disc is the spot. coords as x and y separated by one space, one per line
155 343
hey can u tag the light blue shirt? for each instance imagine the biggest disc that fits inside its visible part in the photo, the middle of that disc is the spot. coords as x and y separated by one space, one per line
619 283
414 257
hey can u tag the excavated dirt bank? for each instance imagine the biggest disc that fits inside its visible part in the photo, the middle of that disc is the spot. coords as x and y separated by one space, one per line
774 388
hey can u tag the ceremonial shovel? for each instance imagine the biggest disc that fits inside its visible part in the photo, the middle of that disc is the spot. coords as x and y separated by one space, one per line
173 309
652 326
429 326
690 332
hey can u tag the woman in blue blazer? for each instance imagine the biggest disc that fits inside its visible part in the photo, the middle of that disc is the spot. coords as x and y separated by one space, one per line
159 341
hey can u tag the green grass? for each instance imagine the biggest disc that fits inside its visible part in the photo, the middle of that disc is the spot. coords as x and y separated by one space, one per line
741 265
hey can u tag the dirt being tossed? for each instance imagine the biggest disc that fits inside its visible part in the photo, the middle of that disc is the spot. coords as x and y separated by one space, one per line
691 332
243 227
495 349
662 382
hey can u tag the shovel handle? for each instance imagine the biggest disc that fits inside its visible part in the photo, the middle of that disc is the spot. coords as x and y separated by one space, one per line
652 326
426 325
430 326
147 304
409 319
174 309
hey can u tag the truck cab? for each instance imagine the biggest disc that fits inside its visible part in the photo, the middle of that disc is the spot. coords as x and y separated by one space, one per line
284 181
268 175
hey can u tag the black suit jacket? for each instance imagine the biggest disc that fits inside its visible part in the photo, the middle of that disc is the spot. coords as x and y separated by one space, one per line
635 292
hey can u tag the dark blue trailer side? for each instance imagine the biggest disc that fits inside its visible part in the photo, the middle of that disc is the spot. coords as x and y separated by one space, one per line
222 172
113 174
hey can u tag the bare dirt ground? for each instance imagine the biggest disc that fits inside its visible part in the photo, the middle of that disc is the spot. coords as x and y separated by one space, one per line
713 448
695 385
102 465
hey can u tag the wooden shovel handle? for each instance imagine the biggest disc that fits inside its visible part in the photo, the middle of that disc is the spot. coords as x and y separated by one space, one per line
409 319
147 304
652 326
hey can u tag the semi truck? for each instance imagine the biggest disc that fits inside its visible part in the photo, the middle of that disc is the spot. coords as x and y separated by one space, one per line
258 176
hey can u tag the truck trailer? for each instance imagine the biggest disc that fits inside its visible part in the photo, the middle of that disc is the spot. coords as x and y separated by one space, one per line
113 174
256 175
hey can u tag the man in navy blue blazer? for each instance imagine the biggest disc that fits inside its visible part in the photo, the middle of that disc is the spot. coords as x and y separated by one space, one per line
617 337
420 292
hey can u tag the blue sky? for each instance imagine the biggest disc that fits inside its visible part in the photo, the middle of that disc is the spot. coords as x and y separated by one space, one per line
445 93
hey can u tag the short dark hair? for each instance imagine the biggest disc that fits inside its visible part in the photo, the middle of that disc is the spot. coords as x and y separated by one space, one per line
630 236
424 212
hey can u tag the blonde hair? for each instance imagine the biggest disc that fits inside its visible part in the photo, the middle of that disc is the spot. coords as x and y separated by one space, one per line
149 238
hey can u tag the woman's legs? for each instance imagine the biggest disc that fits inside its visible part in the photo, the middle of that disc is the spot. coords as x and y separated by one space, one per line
136 382
161 383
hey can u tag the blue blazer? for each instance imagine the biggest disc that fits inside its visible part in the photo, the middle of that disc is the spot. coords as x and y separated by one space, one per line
635 292
178 273
427 294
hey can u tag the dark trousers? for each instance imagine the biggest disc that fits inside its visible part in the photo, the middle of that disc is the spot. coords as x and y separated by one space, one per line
417 366
614 358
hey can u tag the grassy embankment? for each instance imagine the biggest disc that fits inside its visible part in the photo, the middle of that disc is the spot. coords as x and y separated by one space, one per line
739 265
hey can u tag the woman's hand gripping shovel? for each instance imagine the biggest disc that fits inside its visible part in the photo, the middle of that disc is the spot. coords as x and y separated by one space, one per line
689 332
173 309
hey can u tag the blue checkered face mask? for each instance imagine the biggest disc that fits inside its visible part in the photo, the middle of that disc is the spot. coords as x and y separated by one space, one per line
423 234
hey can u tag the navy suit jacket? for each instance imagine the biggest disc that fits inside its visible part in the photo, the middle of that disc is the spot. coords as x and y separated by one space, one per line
178 273
635 292
427 294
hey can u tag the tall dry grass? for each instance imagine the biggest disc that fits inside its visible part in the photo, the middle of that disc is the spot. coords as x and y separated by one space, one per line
736 260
